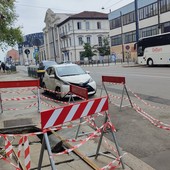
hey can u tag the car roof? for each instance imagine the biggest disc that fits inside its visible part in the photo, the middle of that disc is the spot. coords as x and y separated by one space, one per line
47 61
65 65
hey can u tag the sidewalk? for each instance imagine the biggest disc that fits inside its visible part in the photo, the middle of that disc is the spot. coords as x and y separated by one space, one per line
67 161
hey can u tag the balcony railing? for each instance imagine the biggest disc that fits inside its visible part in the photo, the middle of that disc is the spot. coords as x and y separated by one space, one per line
63 35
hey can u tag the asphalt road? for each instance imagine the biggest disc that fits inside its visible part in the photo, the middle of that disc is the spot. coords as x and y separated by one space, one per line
135 133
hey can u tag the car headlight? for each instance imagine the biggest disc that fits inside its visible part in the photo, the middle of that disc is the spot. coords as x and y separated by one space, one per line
91 80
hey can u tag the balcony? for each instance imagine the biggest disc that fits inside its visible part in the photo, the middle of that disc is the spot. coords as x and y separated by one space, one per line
63 35
64 49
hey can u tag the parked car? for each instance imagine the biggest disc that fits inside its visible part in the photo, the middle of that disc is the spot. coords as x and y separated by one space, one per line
46 63
59 77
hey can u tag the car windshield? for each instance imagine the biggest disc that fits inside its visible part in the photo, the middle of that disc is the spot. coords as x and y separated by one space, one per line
70 70
48 63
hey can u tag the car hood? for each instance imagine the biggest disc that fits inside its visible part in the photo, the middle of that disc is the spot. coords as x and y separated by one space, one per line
77 78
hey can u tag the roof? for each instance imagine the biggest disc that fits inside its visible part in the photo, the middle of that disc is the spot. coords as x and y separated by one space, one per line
87 15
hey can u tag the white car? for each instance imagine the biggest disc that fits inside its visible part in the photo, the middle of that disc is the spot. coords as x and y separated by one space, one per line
59 77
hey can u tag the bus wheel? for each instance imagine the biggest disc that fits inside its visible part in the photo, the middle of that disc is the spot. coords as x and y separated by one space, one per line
150 62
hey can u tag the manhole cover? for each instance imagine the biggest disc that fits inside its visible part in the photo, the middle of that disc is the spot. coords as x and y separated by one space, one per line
17 122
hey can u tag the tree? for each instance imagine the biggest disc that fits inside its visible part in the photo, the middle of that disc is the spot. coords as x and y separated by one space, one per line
105 48
9 35
88 52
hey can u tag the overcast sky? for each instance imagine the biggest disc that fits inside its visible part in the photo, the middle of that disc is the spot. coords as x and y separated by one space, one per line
31 13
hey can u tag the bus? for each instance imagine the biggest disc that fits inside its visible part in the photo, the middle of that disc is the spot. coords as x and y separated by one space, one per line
154 50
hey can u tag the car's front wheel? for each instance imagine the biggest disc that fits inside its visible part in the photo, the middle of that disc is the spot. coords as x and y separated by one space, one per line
58 93
44 87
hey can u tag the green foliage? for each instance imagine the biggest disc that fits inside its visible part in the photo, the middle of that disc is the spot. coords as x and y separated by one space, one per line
88 52
9 34
105 48
37 57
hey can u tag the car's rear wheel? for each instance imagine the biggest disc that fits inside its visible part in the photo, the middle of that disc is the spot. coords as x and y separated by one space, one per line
58 93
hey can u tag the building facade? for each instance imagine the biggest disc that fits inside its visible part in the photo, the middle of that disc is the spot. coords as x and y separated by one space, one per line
32 42
153 18
66 36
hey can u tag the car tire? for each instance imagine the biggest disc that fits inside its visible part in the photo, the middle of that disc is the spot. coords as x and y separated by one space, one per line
44 87
58 93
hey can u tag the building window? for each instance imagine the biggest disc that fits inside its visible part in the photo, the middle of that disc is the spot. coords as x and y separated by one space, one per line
149 31
87 25
148 11
98 25
116 40
88 40
130 37
115 23
165 27
129 18
79 25
100 41
80 39
70 42
68 26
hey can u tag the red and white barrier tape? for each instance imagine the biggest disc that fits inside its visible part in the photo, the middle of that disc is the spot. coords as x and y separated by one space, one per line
20 98
45 89
8 147
146 103
57 101
19 148
154 121
9 162
27 153
111 166
19 91
80 144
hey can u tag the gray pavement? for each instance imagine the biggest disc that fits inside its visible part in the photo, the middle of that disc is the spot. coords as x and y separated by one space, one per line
29 116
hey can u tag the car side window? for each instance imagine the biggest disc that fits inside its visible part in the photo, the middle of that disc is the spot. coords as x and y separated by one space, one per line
52 71
48 71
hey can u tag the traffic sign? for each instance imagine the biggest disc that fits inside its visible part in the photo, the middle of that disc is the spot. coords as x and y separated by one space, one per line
27 51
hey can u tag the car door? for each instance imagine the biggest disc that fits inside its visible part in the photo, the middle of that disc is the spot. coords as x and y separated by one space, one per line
52 79
46 78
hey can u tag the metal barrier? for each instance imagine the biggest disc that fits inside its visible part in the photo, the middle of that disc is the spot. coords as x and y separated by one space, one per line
116 80
61 115
20 83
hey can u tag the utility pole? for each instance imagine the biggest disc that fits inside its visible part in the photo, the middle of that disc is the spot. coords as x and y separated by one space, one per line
137 21
123 53
159 24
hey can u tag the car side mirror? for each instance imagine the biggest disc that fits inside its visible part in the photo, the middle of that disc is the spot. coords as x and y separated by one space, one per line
88 72
52 76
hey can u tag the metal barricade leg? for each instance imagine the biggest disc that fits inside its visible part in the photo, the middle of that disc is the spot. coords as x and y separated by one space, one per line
38 96
115 141
41 154
128 96
47 143
122 98
1 104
